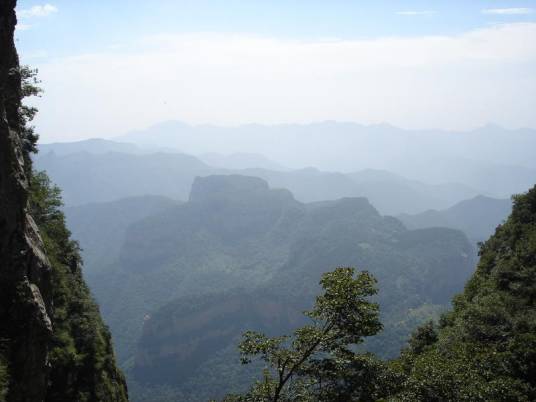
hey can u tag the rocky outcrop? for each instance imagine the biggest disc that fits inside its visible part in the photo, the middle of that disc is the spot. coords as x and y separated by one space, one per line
220 189
25 327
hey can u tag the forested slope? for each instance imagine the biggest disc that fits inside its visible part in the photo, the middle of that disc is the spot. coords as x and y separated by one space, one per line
485 348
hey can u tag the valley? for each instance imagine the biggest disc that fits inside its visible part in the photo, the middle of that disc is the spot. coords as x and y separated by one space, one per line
183 257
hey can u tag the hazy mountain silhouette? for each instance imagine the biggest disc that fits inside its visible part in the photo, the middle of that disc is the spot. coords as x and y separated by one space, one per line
99 175
477 218
493 159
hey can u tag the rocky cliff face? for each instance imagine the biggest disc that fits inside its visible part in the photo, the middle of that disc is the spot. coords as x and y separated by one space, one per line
28 319
25 271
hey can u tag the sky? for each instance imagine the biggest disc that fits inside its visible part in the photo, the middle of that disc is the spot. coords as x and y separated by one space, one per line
108 67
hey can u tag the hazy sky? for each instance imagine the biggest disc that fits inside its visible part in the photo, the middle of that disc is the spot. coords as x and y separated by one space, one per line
111 66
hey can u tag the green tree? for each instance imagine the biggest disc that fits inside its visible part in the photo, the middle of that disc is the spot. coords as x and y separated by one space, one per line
82 363
29 87
28 137
319 362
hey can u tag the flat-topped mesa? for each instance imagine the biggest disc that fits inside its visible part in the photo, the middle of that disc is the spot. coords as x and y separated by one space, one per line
223 211
346 211
353 205
236 188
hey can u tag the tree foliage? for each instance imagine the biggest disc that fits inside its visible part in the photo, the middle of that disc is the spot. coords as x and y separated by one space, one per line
29 88
82 365
319 362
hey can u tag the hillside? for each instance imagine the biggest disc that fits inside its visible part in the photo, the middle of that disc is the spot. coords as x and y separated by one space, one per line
101 227
384 189
92 146
86 177
236 233
477 217
484 349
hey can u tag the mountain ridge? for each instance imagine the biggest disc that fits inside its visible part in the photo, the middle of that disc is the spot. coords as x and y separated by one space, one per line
107 176
477 217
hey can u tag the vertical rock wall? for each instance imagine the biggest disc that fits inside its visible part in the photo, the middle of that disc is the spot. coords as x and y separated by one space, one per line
25 328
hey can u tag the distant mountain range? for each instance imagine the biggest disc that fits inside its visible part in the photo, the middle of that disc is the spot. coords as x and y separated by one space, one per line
92 146
101 170
244 255
495 160
240 161
96 177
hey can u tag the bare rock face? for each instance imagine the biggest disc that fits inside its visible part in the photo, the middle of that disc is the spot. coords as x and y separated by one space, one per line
24 270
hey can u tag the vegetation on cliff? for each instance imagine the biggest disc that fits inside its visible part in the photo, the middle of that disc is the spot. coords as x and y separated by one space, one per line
485 348
81 356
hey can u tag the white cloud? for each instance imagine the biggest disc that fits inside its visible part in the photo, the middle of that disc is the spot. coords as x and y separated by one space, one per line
37 11
451 82
508 11
415 12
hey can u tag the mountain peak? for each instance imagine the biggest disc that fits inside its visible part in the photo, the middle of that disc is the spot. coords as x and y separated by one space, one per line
350 206
234 187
